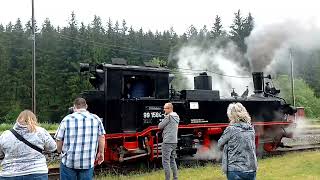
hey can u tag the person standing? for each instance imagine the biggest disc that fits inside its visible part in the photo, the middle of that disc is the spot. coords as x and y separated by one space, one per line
22 161
169 125
80 140
239 159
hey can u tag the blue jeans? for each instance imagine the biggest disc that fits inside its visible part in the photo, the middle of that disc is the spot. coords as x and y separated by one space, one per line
27 177
238 175
75 174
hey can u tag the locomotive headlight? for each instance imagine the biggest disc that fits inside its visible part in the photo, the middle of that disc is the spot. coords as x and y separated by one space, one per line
84 67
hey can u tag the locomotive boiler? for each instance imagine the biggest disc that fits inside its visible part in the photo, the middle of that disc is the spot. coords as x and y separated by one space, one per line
129 100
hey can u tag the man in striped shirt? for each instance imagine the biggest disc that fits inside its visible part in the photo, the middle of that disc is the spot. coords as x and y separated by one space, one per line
79 136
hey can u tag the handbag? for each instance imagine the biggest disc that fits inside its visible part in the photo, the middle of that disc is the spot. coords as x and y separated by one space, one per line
18 136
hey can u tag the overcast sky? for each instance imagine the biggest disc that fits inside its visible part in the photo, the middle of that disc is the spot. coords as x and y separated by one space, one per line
161 14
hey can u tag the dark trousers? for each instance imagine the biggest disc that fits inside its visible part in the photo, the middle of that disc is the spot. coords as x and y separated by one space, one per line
239 175
75 174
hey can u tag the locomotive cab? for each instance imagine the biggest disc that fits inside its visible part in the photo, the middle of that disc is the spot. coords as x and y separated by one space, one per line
123 91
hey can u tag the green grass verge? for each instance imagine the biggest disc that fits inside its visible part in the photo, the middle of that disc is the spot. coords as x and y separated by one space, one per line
314 121
298 166
4 127
49 127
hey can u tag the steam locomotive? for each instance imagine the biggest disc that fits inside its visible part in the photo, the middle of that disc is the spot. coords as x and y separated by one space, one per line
129 100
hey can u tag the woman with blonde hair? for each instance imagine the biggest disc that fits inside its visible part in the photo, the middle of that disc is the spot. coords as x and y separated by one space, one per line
22 148
239 159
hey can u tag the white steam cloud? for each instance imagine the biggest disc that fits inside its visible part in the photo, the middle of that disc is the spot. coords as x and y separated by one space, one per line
195 59
213 153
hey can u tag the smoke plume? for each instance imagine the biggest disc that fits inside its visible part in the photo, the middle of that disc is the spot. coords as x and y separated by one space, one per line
268 47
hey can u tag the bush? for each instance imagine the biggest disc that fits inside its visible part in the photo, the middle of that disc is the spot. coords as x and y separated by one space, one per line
11 116
304 95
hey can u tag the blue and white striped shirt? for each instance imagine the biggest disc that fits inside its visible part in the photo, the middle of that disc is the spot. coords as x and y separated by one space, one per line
79 132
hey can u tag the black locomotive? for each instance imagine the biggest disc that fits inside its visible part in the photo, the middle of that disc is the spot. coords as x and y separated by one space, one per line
129 99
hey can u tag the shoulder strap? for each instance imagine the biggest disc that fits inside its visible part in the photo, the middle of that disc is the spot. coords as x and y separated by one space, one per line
173 119
18 136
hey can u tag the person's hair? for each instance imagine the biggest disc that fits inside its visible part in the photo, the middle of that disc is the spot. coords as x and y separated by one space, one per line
27 117
237 113
80 103
169 105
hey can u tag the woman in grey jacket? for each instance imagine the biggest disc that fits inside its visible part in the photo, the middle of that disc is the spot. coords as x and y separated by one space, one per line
239 159
20 160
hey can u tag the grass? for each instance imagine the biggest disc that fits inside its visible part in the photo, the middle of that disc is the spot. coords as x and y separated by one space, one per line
52 128
297 166
48 126
4 127
53 163
314 121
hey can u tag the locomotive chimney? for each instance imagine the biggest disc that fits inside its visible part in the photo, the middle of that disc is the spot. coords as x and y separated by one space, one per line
203 81
258 82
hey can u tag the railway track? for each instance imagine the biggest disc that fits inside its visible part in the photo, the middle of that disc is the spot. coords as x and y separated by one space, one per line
53 174
297 148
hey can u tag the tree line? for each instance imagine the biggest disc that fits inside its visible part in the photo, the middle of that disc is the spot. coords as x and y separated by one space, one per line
59 50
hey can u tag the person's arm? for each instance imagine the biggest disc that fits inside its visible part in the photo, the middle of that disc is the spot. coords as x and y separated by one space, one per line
60 136
49 143
164 122
100 155
59 146
101 142
224 138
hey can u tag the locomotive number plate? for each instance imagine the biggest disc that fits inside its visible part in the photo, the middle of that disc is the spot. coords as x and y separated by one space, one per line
147 115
